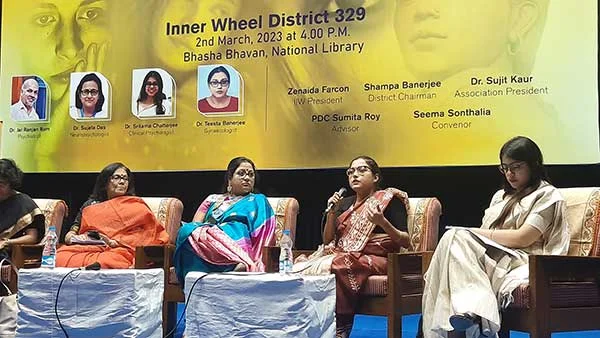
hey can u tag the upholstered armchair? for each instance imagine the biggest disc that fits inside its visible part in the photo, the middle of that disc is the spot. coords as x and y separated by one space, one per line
286 211
168 212
563 293
30 256
400 291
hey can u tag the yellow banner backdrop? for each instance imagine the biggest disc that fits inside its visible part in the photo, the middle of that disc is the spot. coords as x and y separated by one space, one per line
186 85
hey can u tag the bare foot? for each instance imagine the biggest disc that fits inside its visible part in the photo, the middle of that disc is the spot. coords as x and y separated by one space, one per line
240 268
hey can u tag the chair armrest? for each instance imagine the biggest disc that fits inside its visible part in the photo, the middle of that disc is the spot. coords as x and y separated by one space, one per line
270 257
27 255
154 256
563 268
403 265
410 262
545 269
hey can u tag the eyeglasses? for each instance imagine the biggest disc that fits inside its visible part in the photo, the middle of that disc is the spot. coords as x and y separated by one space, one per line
361 170
215 83
117 178
513 167
152 84
89 92
243 172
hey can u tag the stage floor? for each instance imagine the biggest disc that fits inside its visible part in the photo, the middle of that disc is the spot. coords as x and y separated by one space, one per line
376 327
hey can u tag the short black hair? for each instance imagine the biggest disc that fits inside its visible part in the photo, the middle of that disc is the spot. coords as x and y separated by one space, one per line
10 172
99 193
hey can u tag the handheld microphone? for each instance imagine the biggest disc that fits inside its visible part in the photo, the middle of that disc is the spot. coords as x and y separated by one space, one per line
93 266
340 192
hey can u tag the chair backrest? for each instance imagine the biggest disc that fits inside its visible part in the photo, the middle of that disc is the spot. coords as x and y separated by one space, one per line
423 222
54 211
286 211
583 216
168 211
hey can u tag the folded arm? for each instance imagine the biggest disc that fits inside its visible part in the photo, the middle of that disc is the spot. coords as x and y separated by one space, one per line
520 238
532 229
30 237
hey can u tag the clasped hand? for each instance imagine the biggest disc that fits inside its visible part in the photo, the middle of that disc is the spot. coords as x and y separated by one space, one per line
375 215
3 243
84 237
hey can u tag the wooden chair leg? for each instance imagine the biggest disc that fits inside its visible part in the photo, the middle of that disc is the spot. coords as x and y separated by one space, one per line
541 331
394 324
169 318
12 285
420 327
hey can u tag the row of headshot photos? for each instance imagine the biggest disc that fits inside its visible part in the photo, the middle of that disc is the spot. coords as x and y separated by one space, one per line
153 95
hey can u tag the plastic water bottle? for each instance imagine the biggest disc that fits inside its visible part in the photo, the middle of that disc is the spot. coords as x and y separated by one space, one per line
286 258
49 252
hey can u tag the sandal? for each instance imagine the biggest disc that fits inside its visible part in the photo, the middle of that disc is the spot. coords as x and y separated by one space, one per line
463 321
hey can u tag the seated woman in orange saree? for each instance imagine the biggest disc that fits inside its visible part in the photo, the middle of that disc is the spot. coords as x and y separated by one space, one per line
122 222
361 230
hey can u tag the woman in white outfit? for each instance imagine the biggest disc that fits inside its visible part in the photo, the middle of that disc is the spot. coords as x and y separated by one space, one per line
474 271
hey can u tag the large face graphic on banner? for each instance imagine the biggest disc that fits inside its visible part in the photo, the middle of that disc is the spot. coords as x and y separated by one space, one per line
442 38
320 89
61 37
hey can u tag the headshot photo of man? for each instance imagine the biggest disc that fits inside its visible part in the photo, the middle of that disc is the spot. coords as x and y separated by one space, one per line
26 99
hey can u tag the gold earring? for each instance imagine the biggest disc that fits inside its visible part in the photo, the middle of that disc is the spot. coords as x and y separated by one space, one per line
229 189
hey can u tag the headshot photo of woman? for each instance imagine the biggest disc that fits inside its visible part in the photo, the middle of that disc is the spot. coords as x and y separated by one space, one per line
219 82
152 95
89 98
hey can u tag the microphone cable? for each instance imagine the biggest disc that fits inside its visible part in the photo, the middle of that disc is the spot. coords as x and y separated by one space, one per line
323 220
56 301
93 266
185 306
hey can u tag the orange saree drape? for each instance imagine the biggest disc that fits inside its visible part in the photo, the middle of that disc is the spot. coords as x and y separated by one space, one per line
126 219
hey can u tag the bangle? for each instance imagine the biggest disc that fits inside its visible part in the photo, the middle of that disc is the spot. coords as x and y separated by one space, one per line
492 234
